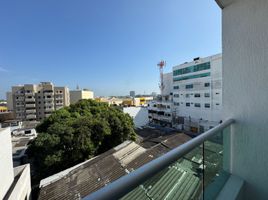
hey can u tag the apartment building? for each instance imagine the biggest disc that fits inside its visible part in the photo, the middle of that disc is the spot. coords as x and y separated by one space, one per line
197 93
34 102
76 95
161 110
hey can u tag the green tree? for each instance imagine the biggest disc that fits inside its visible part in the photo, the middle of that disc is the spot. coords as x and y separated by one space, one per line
76 133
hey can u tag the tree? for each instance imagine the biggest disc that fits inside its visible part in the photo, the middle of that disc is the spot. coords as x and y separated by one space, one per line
76 133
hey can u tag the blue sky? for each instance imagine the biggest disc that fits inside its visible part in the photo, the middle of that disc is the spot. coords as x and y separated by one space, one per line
109 46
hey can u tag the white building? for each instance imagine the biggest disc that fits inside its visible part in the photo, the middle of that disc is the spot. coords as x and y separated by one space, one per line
15 182
197 93
160 110
139 115
76 95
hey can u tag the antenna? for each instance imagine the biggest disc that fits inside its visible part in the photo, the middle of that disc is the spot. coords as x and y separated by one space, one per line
161 65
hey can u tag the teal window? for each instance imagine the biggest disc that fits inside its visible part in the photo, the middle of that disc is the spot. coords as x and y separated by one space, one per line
191 77
195 68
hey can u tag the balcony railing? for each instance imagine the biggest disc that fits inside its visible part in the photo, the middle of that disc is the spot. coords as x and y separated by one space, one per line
196 169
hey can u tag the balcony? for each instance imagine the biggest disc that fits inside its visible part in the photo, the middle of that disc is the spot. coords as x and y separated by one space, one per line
31 111
30 105
29 99
29 93
31 116
197 169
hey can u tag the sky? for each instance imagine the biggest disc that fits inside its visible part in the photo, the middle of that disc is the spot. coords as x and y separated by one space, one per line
108 46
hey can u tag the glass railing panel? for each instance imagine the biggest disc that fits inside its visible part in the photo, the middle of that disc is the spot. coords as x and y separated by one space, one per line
181 180
216 163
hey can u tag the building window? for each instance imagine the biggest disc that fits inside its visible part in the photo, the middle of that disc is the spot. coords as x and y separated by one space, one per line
176 95
207 95
187 95
188 104
176 87
190 86
207 105
217 104
197 95
207 84
190 69
197 105
217 93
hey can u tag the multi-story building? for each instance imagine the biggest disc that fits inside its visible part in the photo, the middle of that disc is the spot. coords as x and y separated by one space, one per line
160 110
197 93
132 94
76 95
15 182
35 102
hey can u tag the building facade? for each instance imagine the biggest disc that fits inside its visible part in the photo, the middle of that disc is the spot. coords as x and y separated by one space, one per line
161 109
76 95
35 102
197 93
15 182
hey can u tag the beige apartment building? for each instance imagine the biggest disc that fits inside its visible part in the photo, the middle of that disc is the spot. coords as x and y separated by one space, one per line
34 102
76 95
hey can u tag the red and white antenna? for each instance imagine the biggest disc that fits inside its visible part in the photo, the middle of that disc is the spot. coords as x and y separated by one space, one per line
161 65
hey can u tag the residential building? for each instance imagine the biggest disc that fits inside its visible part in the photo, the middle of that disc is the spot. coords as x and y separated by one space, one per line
76 95
197 93
15 182
160 110
35 102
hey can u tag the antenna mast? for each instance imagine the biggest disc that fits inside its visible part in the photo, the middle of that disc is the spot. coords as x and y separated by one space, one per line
161 65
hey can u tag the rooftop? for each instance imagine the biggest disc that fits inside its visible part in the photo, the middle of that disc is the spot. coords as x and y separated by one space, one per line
93 174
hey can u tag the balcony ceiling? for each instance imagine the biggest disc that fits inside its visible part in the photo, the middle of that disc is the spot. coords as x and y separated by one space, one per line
223 3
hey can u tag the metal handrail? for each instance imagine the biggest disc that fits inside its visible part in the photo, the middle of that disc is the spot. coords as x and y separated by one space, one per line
127 183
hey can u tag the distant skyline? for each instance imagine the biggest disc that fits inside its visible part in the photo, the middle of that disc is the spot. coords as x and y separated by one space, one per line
110 47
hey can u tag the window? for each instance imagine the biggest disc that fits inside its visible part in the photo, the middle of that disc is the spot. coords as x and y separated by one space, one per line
168 106
176 104
207 95
207 84
188 104
194 68
207 105
176 95
217 93
217 104
187 95
197 95
197 105
190 86
191 77
176 87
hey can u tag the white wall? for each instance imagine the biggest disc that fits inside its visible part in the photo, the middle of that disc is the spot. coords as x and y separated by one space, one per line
214 113
139 115
245 94
168 83
6 163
